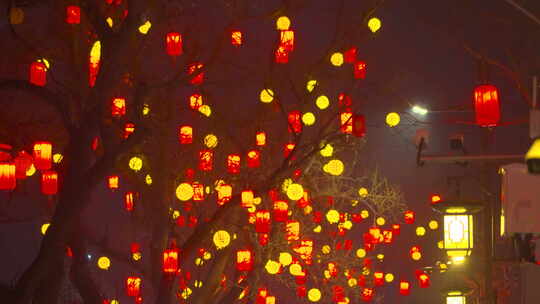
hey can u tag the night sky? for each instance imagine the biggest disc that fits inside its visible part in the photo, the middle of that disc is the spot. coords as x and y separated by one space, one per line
418 57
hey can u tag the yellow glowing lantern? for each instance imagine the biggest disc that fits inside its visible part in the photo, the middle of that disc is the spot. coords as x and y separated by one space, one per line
337 59
389 277
327 150
364 214
198 284
308 118
380 256
352 282
110 22
361 253
311 85
317 229
211 141
186 292
146 109
420 231
148 179
322 102
283 23
295 191
221 239
332 216
115 302
184 192
433 225
272 267
285 258
296 269
135 163
392 119
31 170
334 167
44 228
104 263
440 244
326 249
136 256
416 255
374 24
57 158
266 96
205 110
455 297
380 221
363 192
143 29
314 295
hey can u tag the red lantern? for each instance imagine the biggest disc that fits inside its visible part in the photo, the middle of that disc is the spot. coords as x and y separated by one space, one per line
247 198
198 191
295 123
338 293
360 70
404 288
346 121
344 100
42 155
435 198
396 229
388 236
350 55
281 209
113 182
409 217
195 101
367 294
206 160
260 138
22 162
486 105
292 231
129 201
287 40
118 107
7 176
423 280
224 194
170 261
244 260
288 148
253 159
376 236
38 73
304 201
73 14
233 163
173 44
301 291
185 135
378 278
133 286
282 55
262 221
198 77
359 125
49 182
129 128
236 38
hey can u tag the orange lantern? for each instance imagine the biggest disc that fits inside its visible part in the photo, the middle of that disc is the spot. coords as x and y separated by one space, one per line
287 40
347 121
409 217
224 194
173 44
73 14
206 160
281 209
185 135
233 163
195 101
253 159
38 73
260 138
129 201
42 155
133 286
236 38
435 198
113 182
49 182
198 191
360 69
486 105
7 176
388 236
262 221
404 288
170 261
247 198
244 260
292 231
118 107
295 122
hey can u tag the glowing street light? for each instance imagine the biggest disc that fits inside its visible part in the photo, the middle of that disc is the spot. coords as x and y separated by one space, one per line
455 297
419 110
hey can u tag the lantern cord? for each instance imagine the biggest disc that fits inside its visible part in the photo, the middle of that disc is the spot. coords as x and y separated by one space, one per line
524 11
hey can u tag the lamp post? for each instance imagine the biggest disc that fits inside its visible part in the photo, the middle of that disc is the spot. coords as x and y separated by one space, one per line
458 227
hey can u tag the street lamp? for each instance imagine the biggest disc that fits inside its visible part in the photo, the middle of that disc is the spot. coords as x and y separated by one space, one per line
458 228
455 297
533 157
419 110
